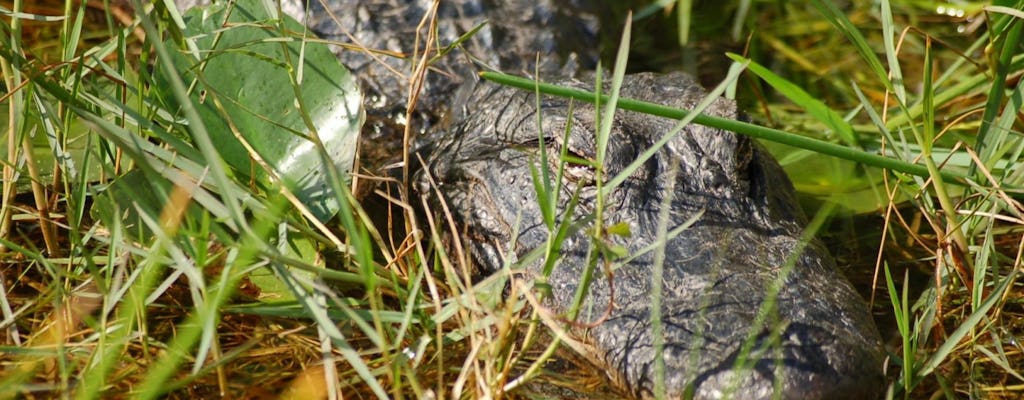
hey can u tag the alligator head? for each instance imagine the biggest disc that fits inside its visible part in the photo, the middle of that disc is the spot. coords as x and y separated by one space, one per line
814 338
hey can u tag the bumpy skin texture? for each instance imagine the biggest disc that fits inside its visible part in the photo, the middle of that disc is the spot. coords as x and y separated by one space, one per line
819 343
515 32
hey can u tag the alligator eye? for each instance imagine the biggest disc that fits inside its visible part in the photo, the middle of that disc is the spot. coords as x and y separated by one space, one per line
578 168
581 174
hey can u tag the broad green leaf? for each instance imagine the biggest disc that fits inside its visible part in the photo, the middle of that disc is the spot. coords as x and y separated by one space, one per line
273 288
251 66
129 197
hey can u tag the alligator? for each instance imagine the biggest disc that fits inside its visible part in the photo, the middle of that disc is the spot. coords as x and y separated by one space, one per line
814 340
820 341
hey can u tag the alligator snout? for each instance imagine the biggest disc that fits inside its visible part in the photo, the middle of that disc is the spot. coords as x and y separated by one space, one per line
748 310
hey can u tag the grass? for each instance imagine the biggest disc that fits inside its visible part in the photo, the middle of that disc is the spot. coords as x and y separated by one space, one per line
228 285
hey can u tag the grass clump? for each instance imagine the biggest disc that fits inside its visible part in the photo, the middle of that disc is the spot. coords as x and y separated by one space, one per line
929 86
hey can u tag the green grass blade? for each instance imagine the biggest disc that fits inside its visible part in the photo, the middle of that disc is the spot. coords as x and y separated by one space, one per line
608 115
742 9
684 12
800 97
901 312
995 130
889 41
606 118
740 127
546 197
842 23
964 86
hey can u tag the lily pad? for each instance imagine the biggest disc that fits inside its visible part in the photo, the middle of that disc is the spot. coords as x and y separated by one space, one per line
249 56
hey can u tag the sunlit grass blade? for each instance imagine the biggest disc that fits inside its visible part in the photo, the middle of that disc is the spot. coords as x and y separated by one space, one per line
541 175
605 116
684 14
994 130
999 359
926 139
842 23
742 12
800 97
129 311
889 41
901 312
317 310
